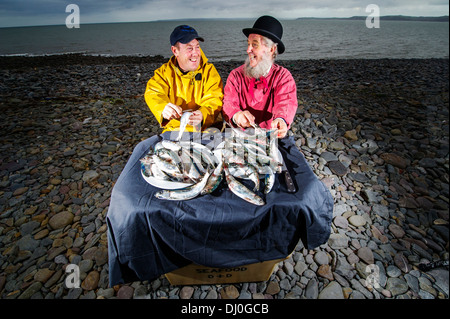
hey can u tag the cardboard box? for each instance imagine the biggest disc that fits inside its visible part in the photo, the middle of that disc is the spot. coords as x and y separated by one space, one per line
198 275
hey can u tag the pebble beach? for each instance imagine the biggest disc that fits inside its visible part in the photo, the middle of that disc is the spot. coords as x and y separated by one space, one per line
375 132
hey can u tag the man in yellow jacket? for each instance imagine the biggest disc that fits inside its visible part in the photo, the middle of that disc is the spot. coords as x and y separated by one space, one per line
187 82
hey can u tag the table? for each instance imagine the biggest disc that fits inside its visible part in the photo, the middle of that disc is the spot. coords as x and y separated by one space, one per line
148 237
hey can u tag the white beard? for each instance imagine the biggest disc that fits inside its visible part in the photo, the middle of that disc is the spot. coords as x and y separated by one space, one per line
260 69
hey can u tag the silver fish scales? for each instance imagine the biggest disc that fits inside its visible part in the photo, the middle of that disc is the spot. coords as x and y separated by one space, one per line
171 156
240 190
166 166
184 193
214 180
190 169
269 180
247 170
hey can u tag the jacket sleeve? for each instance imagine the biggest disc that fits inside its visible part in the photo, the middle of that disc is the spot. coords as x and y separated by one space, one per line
210 103
285 98
157 94
231 102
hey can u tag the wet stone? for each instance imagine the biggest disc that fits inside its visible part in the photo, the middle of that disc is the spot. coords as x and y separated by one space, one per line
366 255
321 258
328 157
312 289
90 176
61 220
300 267
336 146
395 160
393 271
91 280
186 292
229 292
402 263
325 272
357 220
288 268
31 290
29 227
125 292
27 243
341 222
396 230
441 275
285 284
332 291
413 282
273 288
338 241
212 294
396 286
359 177
381 211
337 168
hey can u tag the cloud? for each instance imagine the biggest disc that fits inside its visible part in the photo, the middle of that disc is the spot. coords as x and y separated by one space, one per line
283 9
39 12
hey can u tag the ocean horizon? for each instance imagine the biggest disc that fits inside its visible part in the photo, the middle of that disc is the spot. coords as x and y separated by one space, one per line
305 38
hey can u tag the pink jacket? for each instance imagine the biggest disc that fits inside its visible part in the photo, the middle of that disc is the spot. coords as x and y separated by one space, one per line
267 99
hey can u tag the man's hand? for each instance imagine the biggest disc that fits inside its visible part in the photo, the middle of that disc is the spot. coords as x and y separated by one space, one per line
172 111
281 126
243 119
196 118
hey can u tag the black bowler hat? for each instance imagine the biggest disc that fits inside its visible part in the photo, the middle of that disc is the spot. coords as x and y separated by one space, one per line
269 27
184 34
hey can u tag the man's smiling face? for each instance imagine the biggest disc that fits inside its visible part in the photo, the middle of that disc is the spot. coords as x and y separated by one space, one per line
188 55
256 49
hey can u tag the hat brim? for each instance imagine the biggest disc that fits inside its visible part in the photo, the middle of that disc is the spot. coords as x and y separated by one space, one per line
267 34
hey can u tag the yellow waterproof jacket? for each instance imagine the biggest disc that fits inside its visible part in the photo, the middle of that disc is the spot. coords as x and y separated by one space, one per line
198 90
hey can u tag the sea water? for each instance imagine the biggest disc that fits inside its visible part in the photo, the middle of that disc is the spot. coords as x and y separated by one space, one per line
224 40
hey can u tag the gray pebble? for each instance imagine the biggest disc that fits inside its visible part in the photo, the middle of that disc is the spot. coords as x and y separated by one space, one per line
312 289
393 271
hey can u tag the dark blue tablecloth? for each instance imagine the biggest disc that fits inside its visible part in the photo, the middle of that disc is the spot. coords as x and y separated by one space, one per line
148 237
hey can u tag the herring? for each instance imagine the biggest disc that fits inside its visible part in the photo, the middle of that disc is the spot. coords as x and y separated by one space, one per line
269 180
214 180
184 193
240 190
247 170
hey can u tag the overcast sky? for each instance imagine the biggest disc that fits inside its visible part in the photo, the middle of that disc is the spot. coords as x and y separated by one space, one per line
50 12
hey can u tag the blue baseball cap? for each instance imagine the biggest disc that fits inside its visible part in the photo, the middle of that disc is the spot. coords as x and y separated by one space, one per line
184 34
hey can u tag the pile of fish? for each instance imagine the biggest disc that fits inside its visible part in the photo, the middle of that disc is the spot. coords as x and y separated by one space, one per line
239 156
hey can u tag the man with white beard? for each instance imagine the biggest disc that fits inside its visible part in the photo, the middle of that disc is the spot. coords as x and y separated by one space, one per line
260 91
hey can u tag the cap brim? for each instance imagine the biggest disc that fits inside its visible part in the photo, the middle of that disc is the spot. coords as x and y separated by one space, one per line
267 34
189 39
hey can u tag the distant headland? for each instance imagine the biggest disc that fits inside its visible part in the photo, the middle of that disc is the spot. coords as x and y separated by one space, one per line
389 18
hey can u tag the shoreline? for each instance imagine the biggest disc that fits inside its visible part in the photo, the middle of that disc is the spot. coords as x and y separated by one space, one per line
97 77
375 132
26 61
